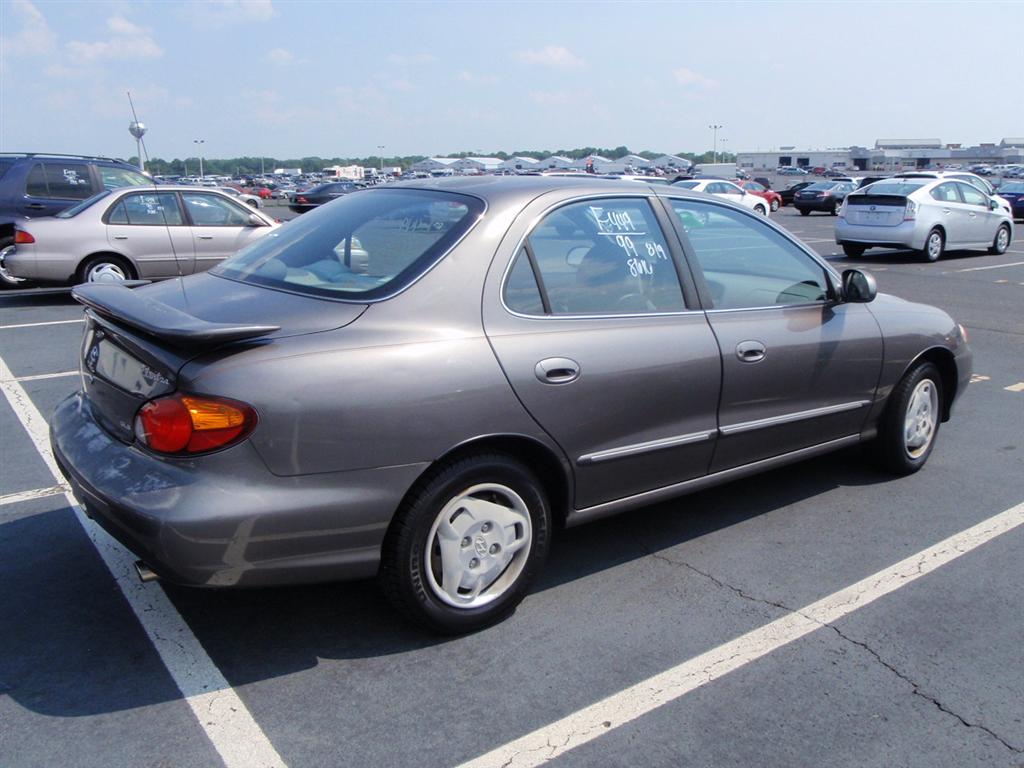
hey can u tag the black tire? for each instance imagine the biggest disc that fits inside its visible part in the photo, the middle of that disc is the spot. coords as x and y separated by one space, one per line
104 259
835 209
1000 247
7 281
934 245
893 453
254 203
404 575
774 205
804 211
760 210
853 251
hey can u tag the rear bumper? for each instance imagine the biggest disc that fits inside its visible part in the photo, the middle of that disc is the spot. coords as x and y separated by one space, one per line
904 235
224 519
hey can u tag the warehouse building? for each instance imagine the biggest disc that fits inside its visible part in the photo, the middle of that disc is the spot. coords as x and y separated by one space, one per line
887 155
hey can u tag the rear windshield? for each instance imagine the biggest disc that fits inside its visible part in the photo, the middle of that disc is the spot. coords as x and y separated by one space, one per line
821 185
892 188
74 210
687 184
364 246
1017 186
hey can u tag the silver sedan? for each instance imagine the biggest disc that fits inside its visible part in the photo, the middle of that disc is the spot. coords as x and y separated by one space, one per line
151 233
925 215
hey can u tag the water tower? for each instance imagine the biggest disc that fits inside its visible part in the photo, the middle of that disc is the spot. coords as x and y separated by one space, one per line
138 130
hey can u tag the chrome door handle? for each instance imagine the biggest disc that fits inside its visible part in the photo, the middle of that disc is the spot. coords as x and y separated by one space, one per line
205 237
946 211
751 351
557 370
120 237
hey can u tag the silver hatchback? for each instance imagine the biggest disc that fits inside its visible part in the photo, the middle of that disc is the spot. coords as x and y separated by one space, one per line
925 215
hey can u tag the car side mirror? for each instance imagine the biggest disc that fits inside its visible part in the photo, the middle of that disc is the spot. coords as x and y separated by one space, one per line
255 221
993 204
859 287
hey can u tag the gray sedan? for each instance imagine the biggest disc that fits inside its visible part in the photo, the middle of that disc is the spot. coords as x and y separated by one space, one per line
421 381
135 232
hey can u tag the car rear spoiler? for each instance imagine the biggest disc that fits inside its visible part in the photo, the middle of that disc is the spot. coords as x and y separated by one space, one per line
121 304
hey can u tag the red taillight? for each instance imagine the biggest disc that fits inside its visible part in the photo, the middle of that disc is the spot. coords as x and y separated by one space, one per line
188 424
21 237
301 200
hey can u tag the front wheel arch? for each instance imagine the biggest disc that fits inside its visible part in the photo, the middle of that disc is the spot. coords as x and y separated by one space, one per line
945 361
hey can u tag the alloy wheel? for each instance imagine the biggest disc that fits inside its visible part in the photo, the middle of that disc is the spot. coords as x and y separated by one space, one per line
920 418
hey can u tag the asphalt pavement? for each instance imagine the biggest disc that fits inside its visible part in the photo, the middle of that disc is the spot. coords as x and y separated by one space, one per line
926 674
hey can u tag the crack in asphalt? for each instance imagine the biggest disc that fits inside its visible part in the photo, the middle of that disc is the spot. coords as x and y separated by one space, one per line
915 687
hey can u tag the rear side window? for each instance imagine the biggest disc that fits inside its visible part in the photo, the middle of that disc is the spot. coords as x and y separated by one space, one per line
68 181
605 257
365 246
946 193
35 186
148 209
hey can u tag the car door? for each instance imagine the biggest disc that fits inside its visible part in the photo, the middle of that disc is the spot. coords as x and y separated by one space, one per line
148 227
53 186
220 227
952 213
982 221
587 318
798 368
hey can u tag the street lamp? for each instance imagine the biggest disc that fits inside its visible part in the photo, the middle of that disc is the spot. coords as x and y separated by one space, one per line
714 150
200 142
381 146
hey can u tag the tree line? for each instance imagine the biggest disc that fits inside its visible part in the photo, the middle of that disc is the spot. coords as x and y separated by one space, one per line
239 166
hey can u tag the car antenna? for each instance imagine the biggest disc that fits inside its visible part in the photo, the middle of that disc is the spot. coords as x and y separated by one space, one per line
163 212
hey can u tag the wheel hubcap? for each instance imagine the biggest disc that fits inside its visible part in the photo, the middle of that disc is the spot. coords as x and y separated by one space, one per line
921 418
6 276
934 246
1002 239
478 545
106 273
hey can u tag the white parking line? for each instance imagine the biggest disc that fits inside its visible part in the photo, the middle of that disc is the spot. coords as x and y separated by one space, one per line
589 723
235 735
38 493
39 376
994 266
36 325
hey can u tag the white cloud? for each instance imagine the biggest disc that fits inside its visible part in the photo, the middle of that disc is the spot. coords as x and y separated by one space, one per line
128 41
554 56
399 59
690 79
471 77
280 56
34 37
220 13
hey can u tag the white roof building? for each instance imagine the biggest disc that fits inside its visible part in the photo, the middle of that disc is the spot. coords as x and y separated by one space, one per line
434 164
634 160
521 164
482 164
600 163
671 161
555 161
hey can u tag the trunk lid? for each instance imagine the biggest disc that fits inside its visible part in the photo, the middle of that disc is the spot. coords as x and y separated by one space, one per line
876 210
138 339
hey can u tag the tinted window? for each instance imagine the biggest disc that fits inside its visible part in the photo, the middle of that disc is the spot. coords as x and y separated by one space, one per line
214 211
894 187
821 185
365 246
69 180
115 178
147 209
605 256
521 291
35 186
745 262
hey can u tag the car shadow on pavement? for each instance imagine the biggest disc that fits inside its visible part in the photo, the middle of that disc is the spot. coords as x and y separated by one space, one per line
71 647
37 297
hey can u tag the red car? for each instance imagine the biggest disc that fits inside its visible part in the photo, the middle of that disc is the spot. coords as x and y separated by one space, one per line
263 192
774 198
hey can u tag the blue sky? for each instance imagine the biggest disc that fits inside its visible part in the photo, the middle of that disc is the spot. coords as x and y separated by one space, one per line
278 78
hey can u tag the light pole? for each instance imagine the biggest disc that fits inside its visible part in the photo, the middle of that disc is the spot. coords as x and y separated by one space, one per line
200 142
714 148
381 146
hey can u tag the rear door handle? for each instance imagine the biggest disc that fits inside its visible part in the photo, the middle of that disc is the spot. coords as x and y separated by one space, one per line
557 370
120 237
946 211
205 237
751 351
35 206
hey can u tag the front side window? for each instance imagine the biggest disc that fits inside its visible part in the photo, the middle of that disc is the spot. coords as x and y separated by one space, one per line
112 177
146 209
745 262
365 246
68 181
605 257
214 211
971 195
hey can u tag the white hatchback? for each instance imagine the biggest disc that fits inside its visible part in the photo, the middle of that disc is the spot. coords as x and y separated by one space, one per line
727 191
